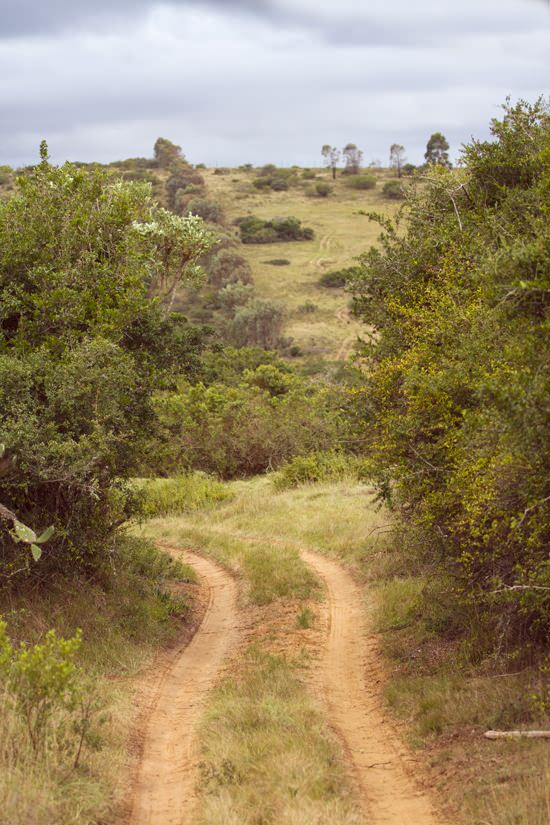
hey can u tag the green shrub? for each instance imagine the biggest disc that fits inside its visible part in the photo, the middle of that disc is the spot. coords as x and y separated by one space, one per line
265 418
338 278
257 230
228 267
206 209
317 468
323 189
361 181
393 190
307 308
453 400
82 347
308 174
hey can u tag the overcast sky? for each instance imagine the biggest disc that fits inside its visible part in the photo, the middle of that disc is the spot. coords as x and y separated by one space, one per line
236 81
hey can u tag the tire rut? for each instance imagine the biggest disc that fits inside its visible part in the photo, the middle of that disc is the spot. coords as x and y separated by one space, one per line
164 791
349 685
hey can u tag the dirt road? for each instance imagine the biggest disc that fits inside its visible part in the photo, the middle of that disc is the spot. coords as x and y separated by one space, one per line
349 684
164 792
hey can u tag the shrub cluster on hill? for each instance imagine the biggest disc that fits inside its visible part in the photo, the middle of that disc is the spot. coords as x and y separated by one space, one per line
256 230
338 278
456 405
363 181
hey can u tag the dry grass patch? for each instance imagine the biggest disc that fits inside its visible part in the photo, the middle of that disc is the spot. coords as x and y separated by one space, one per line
267 755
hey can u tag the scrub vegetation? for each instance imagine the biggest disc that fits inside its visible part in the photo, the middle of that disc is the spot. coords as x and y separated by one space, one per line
373 388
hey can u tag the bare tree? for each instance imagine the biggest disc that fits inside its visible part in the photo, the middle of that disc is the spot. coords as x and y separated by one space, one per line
354 158
397 158
331 155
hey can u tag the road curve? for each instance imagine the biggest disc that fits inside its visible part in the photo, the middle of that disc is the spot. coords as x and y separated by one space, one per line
164 792
349 685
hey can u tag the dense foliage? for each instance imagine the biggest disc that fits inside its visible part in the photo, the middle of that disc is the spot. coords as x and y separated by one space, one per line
256 230
248 414
82 347
456 403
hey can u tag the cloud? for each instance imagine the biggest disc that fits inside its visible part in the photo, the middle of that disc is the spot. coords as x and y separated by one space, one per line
234 82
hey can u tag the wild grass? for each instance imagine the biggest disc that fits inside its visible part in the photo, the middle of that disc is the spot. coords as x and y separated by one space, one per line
267 755
124 615
260 532
180 494
446 699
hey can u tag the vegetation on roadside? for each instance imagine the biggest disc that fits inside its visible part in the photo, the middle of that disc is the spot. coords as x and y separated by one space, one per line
454 401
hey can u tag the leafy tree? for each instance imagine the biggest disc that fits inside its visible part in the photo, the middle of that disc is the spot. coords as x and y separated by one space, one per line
166 152
82 348
397 158
331 156
437 150
455 403
353 158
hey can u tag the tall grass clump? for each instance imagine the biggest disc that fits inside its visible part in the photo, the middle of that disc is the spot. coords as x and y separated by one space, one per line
180 494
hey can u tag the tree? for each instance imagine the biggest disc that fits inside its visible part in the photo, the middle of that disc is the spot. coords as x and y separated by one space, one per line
353 157
437 150
397 157
166 152
331 157
82 349
455 401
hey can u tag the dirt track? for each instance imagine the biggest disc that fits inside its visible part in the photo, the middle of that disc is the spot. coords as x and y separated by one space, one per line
347 681
349 684
164 792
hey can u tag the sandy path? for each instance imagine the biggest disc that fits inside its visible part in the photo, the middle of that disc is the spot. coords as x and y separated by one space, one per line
164 792
349 683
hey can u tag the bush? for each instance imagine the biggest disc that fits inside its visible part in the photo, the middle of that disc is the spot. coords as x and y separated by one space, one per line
457 383
308 174
206 209
323 189
266 418
338 278
361 181
82 348
408 169
307 308
256 230
259 323
393 190
228 267
317 468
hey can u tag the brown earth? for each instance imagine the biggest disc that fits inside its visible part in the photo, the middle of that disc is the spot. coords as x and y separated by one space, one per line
349 683
346 676
164 789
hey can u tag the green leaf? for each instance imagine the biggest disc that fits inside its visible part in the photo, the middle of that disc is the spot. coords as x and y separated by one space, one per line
2 449
24 533
46 535
36 551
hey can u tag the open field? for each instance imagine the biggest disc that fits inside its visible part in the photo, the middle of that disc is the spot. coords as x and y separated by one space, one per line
341 235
